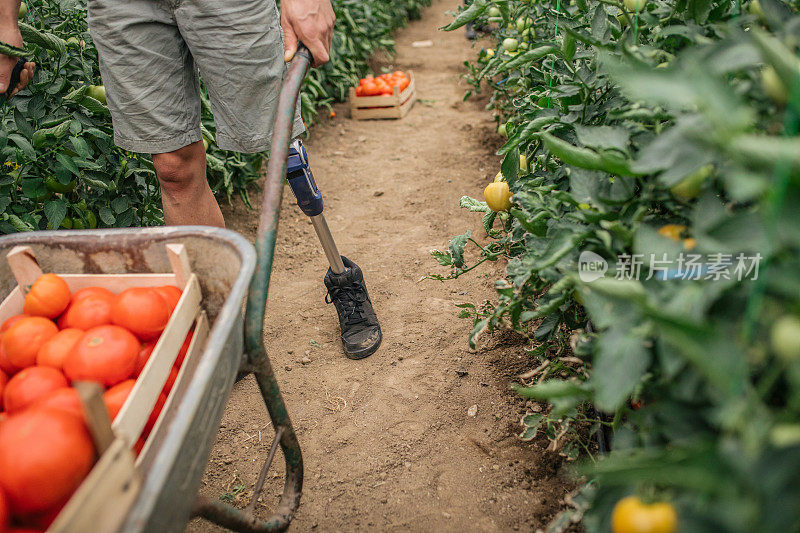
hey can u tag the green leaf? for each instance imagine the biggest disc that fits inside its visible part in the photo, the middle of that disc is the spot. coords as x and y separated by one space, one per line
473 205
475 9
66 162
620 362
55 211
457 248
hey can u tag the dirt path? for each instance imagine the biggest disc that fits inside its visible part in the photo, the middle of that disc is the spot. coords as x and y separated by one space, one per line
387 441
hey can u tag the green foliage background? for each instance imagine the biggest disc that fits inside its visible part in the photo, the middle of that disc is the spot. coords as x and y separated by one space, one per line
629 122
58 164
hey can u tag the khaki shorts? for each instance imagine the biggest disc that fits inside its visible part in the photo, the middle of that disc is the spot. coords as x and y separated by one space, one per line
150 53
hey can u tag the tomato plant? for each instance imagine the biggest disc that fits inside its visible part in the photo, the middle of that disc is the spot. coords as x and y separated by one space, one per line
650 129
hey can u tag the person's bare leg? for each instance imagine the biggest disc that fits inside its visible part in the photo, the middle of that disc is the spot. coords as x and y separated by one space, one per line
185 195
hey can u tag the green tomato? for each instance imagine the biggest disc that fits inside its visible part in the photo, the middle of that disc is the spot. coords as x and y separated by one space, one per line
785 338
490 52
54 185
691 186
98 92
494 12
635 6
74 41
510 45
523 24
501 129
773 86
77 223
23 10
523 45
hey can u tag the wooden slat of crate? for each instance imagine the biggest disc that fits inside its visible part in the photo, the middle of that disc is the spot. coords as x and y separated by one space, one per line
136 410
397 105
383 112
105 496
196 346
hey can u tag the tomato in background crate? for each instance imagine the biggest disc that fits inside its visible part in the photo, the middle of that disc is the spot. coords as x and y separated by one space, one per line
23 340
11 321
89 308
44 456
142 311
30 385
143 356
53 352
171 295
66 400
115 397
48 296
105 354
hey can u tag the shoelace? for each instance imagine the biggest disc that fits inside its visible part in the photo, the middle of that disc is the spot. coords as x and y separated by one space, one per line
350 298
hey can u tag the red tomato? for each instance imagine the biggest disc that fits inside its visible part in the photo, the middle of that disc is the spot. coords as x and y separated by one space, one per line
137 448
91 291
171 295
3 381
30 385
90 307
53 352
23 340
184 349
173 376
65 399
5 512
115 397
48 297
142 311
144 356
105 354
11 321
155 413
5 364
44 456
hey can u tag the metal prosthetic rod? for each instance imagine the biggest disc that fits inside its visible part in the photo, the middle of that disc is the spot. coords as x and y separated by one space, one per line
309 199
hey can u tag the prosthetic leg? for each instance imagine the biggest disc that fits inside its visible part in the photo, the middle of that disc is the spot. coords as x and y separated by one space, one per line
360 330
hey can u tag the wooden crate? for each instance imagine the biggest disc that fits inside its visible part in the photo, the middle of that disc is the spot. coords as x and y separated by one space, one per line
105 496
396 105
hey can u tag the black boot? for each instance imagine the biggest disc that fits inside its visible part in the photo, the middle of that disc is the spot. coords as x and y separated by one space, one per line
361 333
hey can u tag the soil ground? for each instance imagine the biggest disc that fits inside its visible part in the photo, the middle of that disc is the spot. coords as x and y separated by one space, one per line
388 443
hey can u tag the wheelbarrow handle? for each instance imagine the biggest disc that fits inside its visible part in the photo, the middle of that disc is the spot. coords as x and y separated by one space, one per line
255 351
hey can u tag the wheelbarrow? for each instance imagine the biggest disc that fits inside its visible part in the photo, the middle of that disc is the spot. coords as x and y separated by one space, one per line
162 492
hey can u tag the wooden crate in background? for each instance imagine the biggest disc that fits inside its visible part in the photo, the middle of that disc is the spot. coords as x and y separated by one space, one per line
396 105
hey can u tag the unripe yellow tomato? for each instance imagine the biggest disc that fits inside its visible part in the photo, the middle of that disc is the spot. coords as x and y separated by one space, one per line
497 196
630 515
672 231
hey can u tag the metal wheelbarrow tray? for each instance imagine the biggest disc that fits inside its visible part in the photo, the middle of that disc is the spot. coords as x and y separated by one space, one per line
161 495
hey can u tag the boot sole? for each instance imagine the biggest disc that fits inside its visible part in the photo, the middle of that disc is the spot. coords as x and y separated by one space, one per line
363 354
